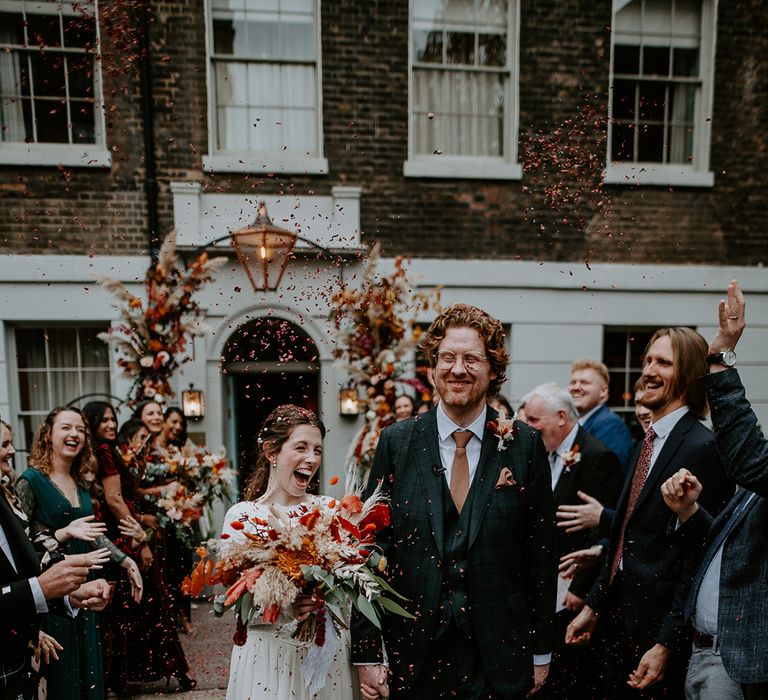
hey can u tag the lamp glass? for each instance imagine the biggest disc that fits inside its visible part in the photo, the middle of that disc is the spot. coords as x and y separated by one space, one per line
349 403
193 403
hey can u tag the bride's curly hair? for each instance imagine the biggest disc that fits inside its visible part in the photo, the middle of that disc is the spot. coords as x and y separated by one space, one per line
41 454
275 431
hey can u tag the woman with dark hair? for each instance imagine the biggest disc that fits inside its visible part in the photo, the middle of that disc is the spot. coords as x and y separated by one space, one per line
174 431
144 645
53 494
268 665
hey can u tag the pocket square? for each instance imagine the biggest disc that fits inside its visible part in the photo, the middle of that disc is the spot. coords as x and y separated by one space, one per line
506 479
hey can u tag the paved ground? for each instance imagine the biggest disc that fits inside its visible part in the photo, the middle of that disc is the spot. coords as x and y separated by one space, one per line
208 656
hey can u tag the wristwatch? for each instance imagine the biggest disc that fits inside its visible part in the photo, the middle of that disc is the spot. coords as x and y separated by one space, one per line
727 358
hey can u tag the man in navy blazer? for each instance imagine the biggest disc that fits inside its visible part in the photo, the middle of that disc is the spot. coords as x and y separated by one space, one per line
589 389
641 591
727 602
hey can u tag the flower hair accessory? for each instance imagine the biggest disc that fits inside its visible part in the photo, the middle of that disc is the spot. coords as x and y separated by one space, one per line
504 429
571 457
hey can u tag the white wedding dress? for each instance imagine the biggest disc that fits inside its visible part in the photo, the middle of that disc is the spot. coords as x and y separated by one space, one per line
269 664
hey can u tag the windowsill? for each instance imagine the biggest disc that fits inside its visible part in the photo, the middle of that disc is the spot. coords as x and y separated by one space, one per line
267 163
661 175
70 156
462 168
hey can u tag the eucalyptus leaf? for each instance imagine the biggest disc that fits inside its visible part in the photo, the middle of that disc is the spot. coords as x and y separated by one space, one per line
393 607
366 608
387 587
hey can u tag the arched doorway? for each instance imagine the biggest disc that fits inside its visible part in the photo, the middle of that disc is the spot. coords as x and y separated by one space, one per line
266 362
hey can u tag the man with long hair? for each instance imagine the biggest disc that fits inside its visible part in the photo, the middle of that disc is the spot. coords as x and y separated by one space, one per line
640 593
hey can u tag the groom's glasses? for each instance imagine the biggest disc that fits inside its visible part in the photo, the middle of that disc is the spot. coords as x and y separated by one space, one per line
471 360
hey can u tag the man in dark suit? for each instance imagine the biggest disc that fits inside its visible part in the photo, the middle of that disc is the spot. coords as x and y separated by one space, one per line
727 601
641 589
24 592
579 463
589 388
472 539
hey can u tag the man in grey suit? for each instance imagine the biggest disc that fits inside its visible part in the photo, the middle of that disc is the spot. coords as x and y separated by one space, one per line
727 602
472 538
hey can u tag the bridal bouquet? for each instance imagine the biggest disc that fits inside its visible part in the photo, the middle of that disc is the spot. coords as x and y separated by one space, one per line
180 508
325 550
208 474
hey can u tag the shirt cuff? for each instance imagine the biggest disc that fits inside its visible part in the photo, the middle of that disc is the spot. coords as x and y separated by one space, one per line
542 659
37 594
71 610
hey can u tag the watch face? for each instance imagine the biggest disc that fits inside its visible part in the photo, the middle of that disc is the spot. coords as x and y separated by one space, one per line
729 358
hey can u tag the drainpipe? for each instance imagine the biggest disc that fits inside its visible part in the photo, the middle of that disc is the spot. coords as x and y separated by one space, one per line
148 123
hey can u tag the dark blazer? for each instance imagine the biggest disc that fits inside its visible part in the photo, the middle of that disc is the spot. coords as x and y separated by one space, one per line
17 605
659 560
512 564
612 431
600 475
742 614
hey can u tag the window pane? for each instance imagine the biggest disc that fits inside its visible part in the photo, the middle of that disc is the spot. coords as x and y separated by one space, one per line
93 352
33 391
30 347
652 101
233 128
622 143
492 50
43 30
685 62
29 426
62 347
656 60
624 99
626 59
460 48
224 33
83 123
48 73
650 143
80 76
428 46
65 386
79 32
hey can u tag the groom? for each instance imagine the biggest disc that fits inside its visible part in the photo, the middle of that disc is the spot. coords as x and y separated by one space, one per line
472 538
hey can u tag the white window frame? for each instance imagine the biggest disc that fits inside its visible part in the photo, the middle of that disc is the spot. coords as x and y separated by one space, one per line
80 155
444 166
17 414
698 173
262 162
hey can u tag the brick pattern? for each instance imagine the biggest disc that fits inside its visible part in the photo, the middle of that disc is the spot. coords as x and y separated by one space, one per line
557 212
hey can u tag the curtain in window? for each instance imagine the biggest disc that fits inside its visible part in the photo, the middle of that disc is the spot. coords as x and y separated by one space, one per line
10 81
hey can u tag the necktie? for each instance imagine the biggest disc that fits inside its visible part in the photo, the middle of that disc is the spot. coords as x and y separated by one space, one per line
552 459
712 549
460 469
638 480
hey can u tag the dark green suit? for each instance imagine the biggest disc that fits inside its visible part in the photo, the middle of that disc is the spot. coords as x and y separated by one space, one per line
511 561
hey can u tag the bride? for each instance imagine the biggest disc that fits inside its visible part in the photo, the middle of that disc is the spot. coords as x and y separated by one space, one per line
268 665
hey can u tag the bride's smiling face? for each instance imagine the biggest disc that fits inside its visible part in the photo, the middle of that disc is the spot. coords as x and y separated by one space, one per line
297 461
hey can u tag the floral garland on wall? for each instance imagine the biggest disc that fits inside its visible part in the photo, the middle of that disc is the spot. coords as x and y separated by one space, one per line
376 337
153 337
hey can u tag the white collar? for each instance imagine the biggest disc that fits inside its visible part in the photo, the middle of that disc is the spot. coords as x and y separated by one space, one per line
446 427
568 440
664 426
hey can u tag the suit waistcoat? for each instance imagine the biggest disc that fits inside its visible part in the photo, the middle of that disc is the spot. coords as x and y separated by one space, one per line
455 601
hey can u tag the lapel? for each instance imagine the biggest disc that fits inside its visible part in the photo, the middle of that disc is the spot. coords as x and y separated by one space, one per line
27 563
429 469
566 476
722 520
486 476
672 444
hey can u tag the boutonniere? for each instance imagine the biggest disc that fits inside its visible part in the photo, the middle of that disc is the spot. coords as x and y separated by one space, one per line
504 429
506 479
571 458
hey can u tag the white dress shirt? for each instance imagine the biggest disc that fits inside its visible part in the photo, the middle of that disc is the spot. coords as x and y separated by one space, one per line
663 427
446 427
557 465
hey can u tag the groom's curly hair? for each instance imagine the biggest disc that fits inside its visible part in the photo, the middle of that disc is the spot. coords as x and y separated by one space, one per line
488 328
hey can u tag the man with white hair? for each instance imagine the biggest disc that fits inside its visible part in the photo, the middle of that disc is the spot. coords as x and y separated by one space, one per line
579 464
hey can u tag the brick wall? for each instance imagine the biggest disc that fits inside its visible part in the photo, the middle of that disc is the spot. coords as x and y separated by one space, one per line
557 212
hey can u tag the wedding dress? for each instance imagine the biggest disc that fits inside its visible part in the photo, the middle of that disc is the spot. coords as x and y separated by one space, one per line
268 666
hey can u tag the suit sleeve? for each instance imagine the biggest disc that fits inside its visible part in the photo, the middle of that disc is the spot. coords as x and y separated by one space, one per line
606 480
541 552
739 439
366 637
16 600
615 435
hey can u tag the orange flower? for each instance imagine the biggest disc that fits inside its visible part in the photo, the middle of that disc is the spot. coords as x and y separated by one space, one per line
290 561
352 504
333 480
237 525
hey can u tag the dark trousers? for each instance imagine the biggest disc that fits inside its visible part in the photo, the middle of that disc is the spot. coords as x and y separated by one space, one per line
620 643
452 669
20 686
755 691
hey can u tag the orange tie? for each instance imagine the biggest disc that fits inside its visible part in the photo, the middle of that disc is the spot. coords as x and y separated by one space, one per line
460 468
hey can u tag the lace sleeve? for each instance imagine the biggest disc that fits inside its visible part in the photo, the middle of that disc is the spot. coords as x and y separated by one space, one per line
116 555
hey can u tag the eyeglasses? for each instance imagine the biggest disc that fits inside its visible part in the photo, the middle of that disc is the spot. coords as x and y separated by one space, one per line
471 360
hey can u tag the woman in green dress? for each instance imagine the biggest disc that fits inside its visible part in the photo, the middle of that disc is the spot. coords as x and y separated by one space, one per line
53 494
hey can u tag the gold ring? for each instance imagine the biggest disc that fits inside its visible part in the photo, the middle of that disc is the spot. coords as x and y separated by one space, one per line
733 318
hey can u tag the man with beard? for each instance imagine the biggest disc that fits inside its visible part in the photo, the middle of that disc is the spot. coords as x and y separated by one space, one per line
471 543
641 591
